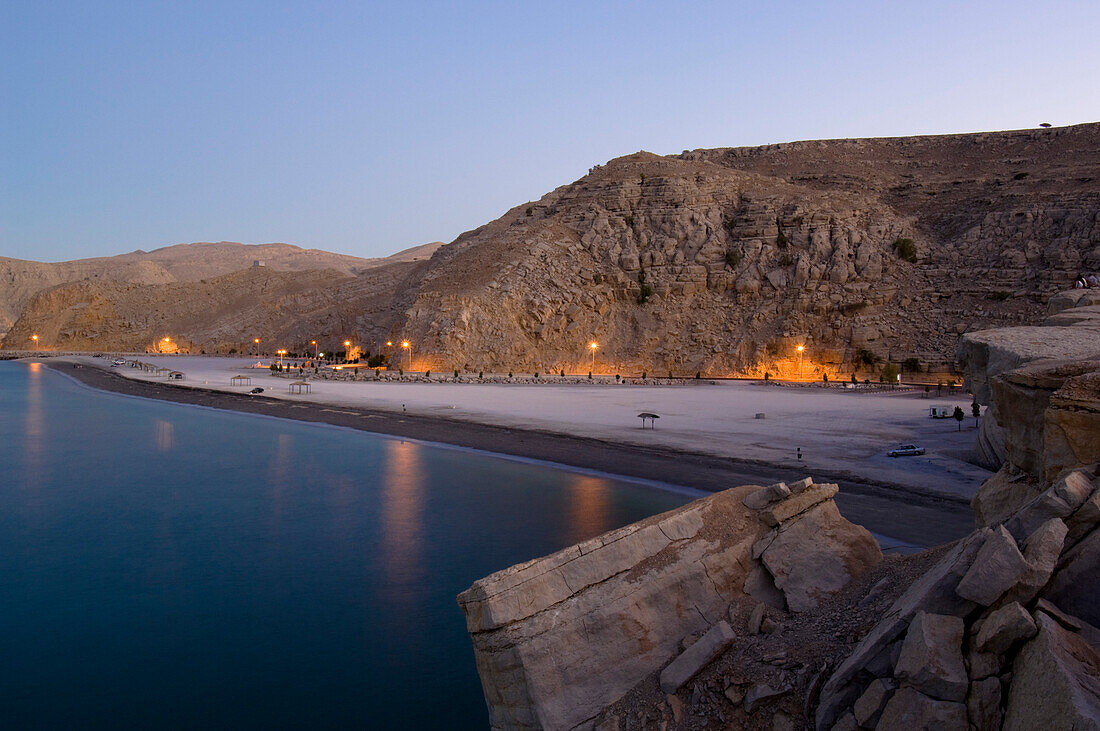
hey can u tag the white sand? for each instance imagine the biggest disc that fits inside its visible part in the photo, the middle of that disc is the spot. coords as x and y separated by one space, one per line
838 430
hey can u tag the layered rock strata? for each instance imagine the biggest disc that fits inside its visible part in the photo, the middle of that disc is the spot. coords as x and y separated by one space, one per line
1041 388
560 638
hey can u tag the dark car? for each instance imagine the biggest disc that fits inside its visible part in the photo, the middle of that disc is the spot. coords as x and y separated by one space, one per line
905 450
257 390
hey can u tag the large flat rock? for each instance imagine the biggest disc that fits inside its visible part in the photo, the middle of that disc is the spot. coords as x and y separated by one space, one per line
817 555
559 638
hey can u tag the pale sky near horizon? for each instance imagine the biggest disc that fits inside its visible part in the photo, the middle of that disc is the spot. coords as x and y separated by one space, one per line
368 127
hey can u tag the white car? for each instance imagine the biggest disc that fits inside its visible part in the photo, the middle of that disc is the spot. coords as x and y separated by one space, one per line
905 450
118 362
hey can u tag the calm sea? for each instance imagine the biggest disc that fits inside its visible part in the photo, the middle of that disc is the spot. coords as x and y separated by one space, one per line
168 566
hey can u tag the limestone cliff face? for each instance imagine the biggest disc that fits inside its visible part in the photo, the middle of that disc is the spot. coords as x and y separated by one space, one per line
748 251
1041 388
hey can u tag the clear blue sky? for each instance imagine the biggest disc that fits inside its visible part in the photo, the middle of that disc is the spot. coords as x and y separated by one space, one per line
365 127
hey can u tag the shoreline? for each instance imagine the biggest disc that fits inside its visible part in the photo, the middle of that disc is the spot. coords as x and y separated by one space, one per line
926 518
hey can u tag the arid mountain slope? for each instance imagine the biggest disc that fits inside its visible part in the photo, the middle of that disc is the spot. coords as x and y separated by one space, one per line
749 251
280 308
721 261
20 279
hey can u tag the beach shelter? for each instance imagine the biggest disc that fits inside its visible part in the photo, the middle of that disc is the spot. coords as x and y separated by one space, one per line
652 419
240 381
162 371
176 375
300 387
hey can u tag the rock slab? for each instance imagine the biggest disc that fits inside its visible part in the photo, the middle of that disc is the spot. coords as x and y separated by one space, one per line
1055 682
696 657
931 657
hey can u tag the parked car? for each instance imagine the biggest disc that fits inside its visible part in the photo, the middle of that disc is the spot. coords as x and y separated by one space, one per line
905 450
118 363
258 389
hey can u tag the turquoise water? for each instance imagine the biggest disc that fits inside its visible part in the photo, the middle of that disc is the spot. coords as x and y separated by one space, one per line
168 566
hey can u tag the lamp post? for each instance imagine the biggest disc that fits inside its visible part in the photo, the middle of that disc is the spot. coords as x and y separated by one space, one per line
408 346
315 350
281 352
347 349
800 348
35 339
256 342
592 347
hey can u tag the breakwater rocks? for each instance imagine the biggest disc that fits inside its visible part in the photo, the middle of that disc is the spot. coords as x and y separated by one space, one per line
560 638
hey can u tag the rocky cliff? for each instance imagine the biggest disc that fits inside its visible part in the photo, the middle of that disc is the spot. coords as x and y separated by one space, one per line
717 260
1041 388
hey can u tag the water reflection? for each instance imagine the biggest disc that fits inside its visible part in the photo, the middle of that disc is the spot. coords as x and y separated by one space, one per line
279 476
401 511
588 506
34 427
164 435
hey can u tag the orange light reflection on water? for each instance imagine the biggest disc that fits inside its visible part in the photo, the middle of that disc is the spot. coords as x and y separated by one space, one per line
34 428
402 515
164 435
588 506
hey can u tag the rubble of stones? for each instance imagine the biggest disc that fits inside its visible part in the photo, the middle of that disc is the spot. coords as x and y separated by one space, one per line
998 635
806 557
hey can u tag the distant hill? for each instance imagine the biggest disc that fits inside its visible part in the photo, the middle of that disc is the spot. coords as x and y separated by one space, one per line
180 263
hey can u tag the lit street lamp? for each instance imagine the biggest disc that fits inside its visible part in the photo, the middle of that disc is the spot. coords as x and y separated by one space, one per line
800 348
408 346
35 339
315 352
592 347
281 352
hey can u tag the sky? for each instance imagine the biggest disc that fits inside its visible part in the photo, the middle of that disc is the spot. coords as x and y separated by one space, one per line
368 127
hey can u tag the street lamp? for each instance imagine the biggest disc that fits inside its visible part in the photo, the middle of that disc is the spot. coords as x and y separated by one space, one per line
800 348
281 352
408 346
592 347
35 339
315 352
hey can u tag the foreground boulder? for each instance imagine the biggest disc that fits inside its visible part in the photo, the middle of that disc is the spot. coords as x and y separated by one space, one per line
560 638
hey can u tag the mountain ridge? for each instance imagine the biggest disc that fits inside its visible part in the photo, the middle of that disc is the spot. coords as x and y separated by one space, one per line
722 261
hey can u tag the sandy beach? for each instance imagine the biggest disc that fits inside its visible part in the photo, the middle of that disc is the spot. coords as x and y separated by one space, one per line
907 513
839 432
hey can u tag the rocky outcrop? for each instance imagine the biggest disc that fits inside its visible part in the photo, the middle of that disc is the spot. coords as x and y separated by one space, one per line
998 634
560 638
1041 387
